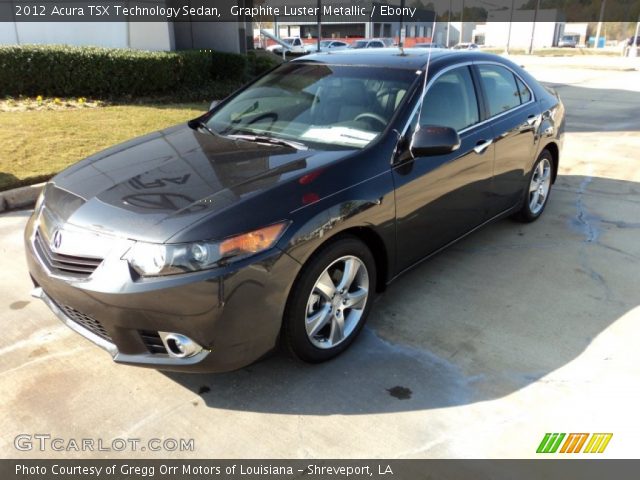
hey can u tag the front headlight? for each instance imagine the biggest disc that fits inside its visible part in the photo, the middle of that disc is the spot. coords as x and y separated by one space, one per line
152 259
39 201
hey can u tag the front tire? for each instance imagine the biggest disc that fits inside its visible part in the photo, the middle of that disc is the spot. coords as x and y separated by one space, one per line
330 301
538 189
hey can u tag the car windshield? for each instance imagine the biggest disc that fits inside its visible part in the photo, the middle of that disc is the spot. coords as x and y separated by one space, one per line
359 44
325 43
328 106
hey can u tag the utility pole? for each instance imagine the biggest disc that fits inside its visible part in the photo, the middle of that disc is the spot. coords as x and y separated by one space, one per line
400 39
599 29
533 28
319 25
506 50
462 23
449 22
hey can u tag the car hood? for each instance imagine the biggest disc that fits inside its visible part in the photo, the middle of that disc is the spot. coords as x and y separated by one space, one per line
154 186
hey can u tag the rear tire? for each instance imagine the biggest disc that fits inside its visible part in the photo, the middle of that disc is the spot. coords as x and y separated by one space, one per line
330 301
536 194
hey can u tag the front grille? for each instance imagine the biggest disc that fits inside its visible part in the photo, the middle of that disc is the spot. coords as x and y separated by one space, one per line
71 265
152 341
87 321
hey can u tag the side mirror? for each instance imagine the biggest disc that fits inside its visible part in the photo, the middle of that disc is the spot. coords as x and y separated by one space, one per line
214 104
434 140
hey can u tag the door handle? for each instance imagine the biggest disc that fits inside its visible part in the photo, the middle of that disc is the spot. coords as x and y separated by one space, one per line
531 120
481 146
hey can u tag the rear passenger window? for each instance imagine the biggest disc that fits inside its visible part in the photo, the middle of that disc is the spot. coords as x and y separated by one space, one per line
525 93
500 87
451 101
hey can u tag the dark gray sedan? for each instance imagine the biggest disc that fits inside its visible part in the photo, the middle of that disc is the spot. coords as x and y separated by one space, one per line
277 216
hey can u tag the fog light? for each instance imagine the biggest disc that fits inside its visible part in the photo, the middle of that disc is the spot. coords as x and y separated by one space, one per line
178 345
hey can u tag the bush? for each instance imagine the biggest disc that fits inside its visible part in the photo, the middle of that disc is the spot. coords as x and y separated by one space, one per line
54 70
261 62
229 66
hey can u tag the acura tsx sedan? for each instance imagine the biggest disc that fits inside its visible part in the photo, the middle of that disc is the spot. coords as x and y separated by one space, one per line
276 217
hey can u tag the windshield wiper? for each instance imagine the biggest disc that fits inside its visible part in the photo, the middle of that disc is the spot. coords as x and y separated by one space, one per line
269 140
197 123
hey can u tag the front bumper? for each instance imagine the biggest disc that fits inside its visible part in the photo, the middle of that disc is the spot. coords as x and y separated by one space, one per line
234 313
145 358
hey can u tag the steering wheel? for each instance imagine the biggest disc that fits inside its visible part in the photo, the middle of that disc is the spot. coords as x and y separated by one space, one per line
272 115
372 116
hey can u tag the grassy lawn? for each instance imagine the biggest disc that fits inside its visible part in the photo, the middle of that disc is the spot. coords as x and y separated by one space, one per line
36 144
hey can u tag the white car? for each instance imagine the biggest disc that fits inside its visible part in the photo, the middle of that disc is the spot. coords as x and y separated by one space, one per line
372 43
466 46
295 45
328 46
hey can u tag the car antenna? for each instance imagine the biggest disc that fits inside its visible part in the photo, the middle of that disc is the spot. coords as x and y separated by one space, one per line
426 73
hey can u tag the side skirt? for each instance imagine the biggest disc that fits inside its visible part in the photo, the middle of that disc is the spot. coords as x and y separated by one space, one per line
495 218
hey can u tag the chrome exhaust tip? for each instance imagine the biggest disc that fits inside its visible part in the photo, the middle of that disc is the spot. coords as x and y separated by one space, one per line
178 345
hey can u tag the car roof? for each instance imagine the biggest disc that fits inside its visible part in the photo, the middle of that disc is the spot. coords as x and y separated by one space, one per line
410 58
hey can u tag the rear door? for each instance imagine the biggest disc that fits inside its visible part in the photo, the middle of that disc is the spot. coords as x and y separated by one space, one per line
514 117
439 198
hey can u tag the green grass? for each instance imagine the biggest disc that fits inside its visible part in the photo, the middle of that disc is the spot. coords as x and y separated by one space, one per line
35 145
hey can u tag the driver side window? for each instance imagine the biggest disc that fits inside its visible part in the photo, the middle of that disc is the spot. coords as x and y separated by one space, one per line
451 101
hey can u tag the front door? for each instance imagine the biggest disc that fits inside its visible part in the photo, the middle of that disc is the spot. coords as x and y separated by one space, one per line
441 197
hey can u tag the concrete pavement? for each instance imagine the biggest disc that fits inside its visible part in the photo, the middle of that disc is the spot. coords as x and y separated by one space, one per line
516 331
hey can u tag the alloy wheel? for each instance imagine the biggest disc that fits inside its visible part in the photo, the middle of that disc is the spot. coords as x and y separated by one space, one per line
539 186
337 302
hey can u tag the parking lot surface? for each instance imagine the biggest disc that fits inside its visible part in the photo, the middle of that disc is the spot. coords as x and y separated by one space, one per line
515 331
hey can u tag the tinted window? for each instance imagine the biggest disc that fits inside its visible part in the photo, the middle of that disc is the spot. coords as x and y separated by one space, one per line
525 93
376 45
451 101
326 105
501 89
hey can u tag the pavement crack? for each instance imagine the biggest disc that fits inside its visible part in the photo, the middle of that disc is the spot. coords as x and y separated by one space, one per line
588 228
587 223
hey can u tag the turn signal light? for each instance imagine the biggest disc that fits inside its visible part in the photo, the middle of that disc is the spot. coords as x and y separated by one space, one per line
252 242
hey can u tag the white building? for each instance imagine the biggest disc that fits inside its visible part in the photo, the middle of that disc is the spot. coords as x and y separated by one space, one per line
459 32
222 36
546 31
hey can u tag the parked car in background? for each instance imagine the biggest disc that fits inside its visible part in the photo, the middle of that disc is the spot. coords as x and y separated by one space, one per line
465 46
429 45
277 216
327 46
568 41
295 45
372 43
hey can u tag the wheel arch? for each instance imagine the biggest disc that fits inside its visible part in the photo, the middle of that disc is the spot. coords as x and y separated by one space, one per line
554 150
374 242
367 235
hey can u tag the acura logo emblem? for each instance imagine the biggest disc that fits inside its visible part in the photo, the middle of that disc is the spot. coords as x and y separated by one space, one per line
56 240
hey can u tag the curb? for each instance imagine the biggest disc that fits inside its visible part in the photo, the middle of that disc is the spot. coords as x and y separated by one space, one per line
613 68
22 197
